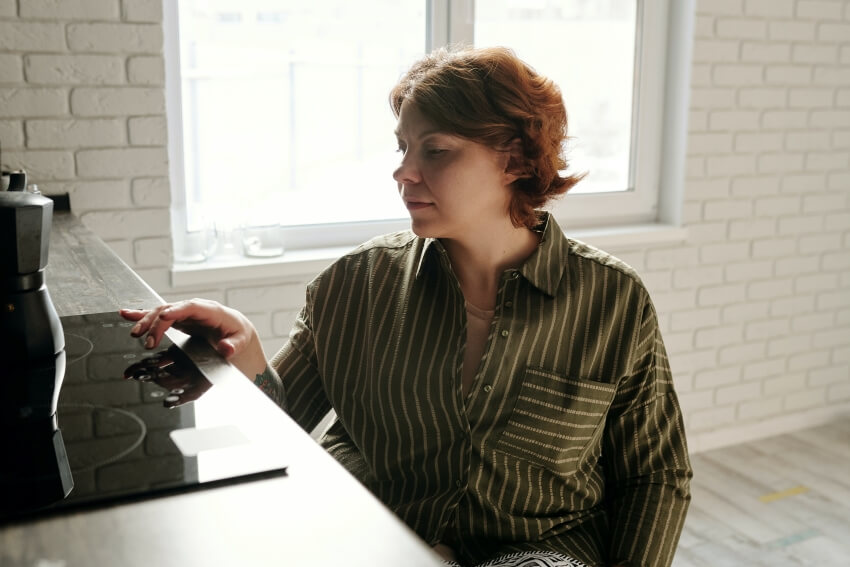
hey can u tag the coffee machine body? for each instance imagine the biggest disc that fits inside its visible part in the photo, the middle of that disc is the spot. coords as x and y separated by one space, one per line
32 360
32 355
32 363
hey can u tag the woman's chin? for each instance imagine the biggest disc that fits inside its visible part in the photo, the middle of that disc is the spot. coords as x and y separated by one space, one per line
420 232
422 229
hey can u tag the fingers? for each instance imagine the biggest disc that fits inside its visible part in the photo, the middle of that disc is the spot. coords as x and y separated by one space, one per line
201 312
224 328
150 323
132 314
229 332
226 347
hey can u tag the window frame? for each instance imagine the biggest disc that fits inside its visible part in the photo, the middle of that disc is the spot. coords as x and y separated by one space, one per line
664 36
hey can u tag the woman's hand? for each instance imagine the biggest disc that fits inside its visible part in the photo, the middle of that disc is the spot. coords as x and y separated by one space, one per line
229 332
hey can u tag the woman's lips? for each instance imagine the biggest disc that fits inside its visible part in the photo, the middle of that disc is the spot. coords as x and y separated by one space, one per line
416 205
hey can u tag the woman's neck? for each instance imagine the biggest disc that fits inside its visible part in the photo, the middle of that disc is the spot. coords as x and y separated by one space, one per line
478 260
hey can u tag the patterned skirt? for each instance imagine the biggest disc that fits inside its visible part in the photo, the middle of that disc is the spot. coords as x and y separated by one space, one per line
527 559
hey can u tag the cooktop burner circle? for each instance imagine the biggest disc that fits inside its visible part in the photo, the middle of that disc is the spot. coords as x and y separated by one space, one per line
77 347
138 433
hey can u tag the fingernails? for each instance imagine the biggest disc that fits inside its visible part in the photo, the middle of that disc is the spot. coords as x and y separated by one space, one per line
135 330
149 342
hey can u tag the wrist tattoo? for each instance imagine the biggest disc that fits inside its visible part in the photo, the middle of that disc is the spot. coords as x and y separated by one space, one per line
265 381
269 384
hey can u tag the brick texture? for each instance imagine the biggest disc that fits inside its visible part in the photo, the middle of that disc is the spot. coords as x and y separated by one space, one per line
11 69
74 69
22 101
24 36
70 9
79 133
142 10
151 192
148 131
118 101
76 101
123 162
8 8
92 195
115 38
146 70
767 201
12 134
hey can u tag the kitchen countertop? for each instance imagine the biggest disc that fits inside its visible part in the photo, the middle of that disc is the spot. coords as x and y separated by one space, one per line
316 515
85 276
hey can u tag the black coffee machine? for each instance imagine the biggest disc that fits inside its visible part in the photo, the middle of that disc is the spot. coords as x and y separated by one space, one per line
32 358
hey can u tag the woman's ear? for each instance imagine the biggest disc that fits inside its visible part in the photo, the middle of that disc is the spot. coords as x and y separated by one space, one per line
515 162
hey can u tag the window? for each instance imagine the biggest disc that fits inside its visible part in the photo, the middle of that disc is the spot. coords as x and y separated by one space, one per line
279 112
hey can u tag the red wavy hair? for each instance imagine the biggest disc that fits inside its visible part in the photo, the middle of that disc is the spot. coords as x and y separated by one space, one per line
492 97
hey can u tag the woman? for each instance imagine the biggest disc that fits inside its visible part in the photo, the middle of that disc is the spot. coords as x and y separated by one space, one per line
503 389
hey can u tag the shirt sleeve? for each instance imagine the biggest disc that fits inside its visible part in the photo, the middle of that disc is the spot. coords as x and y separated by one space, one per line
646 458
299 389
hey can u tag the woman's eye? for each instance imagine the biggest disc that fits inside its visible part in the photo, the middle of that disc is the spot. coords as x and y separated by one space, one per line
435 151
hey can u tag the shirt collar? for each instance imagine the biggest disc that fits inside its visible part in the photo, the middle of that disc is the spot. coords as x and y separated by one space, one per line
544 269
546 266
430 247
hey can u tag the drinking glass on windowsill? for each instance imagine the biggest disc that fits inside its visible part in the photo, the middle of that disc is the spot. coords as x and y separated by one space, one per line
265 241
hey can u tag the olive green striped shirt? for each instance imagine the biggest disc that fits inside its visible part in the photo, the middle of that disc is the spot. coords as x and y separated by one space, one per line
570 438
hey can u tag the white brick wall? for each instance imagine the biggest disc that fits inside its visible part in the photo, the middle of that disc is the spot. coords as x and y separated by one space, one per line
771 79
75 133
69 9
755 305
115 38
78 112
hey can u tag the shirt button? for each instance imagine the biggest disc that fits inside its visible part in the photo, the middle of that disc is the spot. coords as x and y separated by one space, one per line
488 388
505 333
458 483
514 275
509 304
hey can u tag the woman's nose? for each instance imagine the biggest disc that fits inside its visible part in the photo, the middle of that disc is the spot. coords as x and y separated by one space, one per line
407 172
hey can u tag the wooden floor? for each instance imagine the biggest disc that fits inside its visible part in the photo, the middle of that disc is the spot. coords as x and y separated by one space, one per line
782 501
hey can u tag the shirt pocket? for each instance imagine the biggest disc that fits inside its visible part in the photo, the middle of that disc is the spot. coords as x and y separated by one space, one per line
555 419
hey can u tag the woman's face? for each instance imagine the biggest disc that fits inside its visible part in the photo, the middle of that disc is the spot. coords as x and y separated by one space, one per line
450 185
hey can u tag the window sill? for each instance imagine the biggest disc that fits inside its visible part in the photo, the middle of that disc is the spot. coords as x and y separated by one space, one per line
305 264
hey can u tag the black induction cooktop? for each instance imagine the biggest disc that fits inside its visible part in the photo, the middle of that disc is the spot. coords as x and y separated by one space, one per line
136 424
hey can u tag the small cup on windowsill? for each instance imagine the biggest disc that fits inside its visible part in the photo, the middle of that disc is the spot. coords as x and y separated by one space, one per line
196 246
264 241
